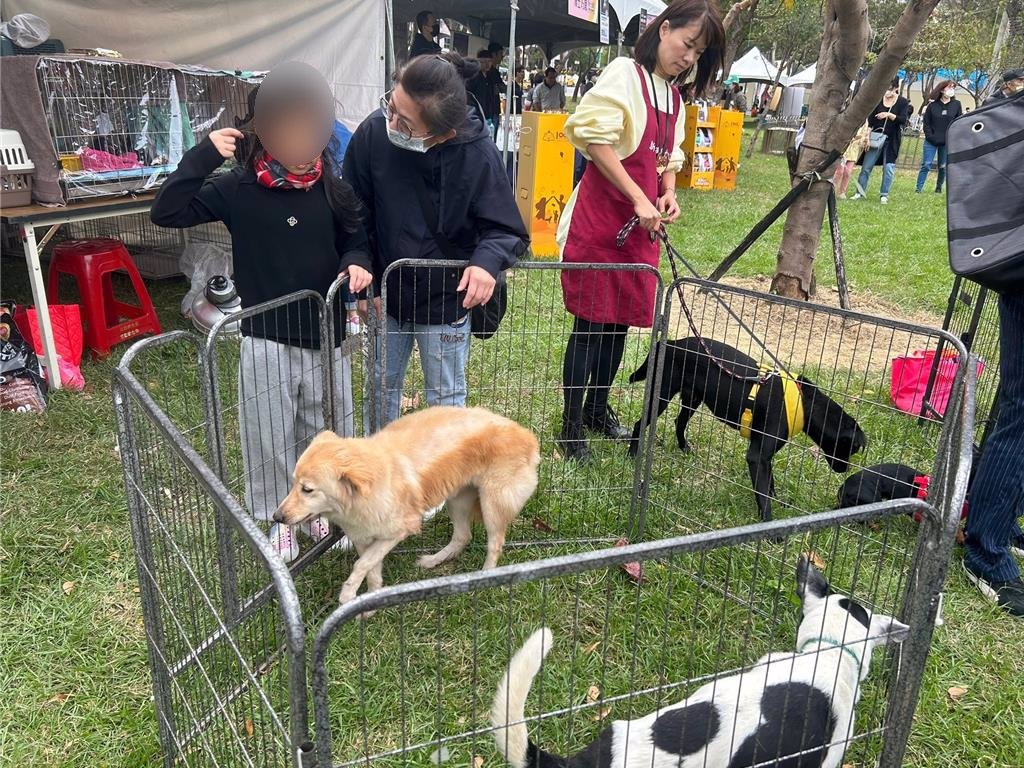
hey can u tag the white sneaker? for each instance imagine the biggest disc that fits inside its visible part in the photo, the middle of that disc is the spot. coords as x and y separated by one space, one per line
282 539
431 513
884 200
858 196
317 529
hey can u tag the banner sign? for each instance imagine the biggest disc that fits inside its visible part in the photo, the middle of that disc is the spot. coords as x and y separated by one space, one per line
584 9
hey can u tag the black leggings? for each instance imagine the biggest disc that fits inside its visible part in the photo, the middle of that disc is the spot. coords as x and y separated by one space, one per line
592 359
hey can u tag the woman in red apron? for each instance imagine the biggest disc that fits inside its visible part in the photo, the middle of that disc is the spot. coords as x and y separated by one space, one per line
630 125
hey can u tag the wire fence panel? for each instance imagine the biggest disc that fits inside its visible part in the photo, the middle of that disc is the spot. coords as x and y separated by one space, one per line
702 468
518 372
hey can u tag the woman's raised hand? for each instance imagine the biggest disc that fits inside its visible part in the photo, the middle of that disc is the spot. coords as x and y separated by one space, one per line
225 140
668 205
649 216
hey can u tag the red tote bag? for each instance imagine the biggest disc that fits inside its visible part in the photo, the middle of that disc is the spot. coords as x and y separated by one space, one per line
910 381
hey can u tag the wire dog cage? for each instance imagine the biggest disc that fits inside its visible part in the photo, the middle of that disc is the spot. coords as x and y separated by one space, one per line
229 623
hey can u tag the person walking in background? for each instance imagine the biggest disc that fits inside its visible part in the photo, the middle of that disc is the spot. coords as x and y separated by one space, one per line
630 125
427 29
942 109
549 95
844 170
886 121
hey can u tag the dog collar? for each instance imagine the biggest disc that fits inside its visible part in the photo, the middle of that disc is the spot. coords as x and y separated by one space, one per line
791 396
829 641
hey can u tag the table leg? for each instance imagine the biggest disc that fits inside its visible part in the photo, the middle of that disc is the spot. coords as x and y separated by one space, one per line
35 275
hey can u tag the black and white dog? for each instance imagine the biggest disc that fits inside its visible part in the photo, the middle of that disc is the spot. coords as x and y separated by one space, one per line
791 710
767 413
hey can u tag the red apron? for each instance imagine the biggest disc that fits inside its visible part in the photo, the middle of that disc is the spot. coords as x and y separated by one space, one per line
616 296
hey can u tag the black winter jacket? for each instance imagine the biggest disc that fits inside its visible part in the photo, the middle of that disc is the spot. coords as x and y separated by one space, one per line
937 117
475 207
282 240
893 128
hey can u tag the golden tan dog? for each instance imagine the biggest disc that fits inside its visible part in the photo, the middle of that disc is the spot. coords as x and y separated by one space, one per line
377 488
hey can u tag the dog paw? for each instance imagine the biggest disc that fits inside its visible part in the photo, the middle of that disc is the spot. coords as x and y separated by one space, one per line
346 596
366 615
426 562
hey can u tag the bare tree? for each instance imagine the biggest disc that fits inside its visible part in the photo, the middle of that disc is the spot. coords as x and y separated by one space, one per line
833 118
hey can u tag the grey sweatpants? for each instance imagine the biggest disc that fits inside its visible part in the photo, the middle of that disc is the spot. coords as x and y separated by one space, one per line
280 397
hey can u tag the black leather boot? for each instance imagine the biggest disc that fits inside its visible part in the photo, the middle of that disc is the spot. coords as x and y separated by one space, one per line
604 421
572 441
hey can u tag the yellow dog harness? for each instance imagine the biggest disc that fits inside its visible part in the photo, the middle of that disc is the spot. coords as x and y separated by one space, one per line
790 394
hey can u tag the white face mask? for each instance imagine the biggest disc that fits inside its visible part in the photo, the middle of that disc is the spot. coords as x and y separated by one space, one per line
949 93
411 143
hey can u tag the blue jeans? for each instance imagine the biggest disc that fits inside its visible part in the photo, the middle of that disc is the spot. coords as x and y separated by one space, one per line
997 493
930 150
871 158
444 351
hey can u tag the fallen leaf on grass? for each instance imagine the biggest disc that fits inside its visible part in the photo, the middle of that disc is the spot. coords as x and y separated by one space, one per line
250 727
633 569
68 587
477 761
439 755
592 647
541 525
601 714
58 698
815 559
593 694
956 693
961 537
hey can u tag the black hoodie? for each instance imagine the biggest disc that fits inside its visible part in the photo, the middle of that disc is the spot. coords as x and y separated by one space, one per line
937 117
475 206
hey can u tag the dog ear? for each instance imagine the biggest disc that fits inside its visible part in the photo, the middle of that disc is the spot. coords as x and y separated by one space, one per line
810 581
886 629
358 475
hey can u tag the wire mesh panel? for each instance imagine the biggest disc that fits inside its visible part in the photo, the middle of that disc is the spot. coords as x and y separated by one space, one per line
228 674
519 372
838 407
120 126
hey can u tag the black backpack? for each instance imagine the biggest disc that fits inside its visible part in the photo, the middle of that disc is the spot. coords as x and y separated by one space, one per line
985 194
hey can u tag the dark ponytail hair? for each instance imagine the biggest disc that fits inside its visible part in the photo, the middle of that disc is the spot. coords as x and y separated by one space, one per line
679 13
342 198
437 83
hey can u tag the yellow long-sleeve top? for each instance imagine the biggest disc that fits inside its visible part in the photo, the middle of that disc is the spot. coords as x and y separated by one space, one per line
614 112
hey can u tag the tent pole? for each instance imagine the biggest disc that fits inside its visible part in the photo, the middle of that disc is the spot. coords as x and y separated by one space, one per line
511 80
621 38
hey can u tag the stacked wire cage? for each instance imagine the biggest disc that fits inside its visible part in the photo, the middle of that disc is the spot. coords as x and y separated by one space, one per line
248 671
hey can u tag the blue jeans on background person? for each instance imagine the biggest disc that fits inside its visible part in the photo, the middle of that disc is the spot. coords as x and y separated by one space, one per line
871 158
444 351
997 492
930 150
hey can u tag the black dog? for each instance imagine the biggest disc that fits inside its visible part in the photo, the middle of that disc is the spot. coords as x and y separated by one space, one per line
881 482
696 378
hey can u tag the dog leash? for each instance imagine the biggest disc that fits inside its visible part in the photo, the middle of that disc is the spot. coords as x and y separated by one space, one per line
673 255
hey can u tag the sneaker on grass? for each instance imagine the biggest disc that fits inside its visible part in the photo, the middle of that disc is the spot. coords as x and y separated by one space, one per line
1017 545
1008 595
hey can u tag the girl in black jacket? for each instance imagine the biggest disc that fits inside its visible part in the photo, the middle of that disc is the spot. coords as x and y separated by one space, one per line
434 187
942 110
294 226
889 118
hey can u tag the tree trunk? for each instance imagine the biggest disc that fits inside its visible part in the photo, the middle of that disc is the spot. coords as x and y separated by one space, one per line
830 125
736 23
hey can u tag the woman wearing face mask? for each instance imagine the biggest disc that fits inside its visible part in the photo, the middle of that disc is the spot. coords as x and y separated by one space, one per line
888 118
427 155
942 110
294 226
630 126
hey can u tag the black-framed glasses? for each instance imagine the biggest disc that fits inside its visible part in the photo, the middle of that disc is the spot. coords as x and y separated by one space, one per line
390 114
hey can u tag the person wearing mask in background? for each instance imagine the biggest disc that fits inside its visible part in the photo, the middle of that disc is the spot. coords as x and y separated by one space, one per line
888 118
630 125
1010 84
739 99
480 90
426 148
942 109
549 95
427 28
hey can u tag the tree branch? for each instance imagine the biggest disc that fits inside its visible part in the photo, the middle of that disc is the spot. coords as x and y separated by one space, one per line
736 10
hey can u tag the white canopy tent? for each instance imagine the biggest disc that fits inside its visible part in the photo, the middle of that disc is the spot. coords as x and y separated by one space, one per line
627 10
803 77
344 39
753 66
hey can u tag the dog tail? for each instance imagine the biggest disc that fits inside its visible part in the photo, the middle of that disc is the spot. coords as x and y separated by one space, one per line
507 712
640 374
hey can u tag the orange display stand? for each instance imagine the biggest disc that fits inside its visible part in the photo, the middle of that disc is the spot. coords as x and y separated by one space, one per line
544 181
698 170
727 148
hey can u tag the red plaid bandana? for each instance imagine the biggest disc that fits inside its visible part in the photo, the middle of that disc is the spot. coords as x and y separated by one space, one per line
271 173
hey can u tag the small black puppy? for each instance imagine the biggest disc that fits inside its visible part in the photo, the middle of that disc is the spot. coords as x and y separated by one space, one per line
880 482
691 374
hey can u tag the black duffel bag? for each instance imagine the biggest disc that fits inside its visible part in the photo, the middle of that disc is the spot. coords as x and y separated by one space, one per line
985 194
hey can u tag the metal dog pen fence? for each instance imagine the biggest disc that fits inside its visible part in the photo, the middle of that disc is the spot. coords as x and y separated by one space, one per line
228 623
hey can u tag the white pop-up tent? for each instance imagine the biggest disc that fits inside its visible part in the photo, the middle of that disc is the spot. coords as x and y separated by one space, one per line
803 77
753 66
344 39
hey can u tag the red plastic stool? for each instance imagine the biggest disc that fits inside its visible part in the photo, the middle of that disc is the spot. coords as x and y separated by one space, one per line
105 320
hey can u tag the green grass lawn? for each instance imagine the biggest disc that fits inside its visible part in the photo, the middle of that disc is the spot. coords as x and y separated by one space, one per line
72 645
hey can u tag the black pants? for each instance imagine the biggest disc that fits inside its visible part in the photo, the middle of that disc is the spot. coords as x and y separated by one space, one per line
592 359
